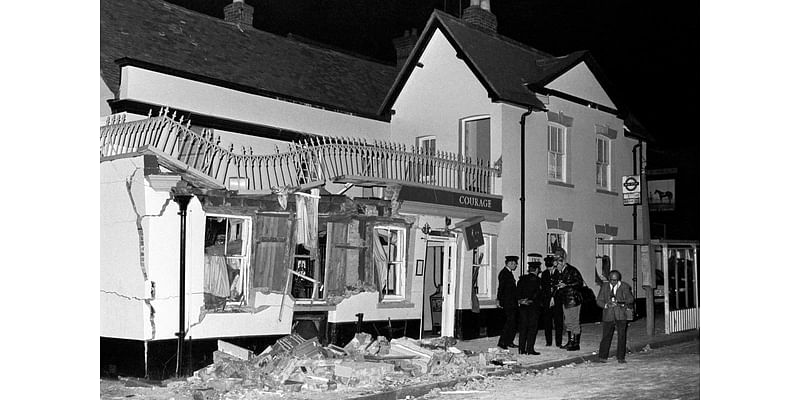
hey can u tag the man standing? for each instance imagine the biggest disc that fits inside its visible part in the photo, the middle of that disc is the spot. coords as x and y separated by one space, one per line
552 314
530 306
616 298
507 300
569 293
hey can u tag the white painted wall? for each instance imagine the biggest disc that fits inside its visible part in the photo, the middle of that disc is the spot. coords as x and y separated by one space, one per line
122 282
157 88
581 82
437 96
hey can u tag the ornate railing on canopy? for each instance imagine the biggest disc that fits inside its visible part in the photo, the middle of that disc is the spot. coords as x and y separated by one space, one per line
309 160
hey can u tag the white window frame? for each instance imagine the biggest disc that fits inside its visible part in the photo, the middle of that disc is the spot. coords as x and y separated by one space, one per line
466 179
427 172
399 263
564 240
244 258
557 155
603 249
603 163
485 266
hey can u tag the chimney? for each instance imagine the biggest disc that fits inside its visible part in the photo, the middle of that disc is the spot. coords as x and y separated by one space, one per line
404 44
479 14
239 13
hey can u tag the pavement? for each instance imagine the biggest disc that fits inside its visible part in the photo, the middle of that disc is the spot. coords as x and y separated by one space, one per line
553 357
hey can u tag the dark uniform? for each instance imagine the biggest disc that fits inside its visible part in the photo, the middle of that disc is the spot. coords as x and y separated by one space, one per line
551 316
530 293
507 299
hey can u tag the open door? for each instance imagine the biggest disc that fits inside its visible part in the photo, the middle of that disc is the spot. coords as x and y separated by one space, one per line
438 292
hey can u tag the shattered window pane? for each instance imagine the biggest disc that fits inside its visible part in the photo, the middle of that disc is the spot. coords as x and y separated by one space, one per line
226 260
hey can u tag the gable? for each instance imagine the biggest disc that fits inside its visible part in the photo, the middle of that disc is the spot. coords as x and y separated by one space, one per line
580 82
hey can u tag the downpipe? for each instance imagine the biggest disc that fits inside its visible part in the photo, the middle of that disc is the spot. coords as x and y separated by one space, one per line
522 183
183 203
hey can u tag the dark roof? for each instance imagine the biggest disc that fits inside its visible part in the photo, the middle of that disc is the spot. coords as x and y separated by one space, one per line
505 67
171 38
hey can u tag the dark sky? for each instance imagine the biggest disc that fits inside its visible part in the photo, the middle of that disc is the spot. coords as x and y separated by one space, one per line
648 48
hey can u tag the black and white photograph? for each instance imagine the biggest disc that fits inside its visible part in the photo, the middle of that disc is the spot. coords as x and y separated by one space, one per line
421 199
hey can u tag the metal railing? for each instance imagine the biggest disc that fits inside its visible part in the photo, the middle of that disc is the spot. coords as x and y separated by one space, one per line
308 160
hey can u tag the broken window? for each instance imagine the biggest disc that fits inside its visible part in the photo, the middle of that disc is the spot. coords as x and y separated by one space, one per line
389 256
307 281
482 267
226 261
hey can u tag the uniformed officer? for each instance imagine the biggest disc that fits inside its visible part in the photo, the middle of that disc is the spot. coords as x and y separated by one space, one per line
529 294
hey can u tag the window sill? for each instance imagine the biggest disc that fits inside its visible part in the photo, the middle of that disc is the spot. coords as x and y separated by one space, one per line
562 184
395 304
608 192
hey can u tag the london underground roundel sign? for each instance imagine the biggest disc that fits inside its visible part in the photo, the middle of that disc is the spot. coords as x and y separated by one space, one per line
631 190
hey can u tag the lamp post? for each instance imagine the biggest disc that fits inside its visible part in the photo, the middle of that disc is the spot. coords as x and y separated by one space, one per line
183 200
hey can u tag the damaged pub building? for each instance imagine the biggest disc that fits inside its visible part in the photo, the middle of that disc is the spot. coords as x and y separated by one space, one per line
255 185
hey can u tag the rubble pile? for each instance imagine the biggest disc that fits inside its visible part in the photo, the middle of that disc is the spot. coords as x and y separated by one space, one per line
294 364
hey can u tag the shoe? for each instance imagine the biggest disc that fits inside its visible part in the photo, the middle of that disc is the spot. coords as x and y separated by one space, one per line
602 360
523 352
534 353
569 341
512 345
502 346
576 344
622 361
548 345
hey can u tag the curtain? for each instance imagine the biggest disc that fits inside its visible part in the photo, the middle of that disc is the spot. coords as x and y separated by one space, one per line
380 259
306 231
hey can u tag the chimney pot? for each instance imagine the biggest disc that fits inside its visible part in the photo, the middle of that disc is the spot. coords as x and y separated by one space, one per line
479 14
239 12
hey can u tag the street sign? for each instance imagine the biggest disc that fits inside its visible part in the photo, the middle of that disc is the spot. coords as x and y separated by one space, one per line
631 190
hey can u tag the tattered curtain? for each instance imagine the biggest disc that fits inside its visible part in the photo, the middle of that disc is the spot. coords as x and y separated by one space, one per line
306 231
380 258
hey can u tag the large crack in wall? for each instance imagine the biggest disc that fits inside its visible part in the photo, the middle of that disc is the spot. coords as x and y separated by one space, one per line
142 264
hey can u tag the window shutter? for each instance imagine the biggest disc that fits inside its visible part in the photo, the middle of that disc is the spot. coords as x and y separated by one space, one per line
271 245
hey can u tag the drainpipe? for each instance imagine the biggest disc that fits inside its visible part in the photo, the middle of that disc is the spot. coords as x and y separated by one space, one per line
635 253
522 185
183 201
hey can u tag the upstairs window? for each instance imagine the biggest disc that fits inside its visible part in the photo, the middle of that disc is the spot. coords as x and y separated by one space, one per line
603 164
556 239
389 255
556 153
476 148
427 146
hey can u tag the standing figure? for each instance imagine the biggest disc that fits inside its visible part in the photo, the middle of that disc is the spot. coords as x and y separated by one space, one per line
615 297
552 314
507 300
570 283
530 294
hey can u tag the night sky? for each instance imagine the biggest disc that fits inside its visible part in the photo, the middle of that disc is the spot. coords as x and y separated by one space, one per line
650 50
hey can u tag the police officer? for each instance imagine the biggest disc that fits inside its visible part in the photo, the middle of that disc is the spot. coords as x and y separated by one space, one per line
552 314
529 293
507 300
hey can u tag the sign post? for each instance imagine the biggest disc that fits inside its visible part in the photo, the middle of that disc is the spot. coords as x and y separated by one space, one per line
631 190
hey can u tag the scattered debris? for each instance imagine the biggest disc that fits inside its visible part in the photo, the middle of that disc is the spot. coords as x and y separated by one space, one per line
366 364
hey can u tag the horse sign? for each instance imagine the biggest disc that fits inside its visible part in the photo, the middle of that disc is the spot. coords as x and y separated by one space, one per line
631 190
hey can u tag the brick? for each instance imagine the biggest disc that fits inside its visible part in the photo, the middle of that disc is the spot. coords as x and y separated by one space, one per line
234 350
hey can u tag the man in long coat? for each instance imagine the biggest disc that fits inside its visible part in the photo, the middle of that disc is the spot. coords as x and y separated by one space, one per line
529 291
507 300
